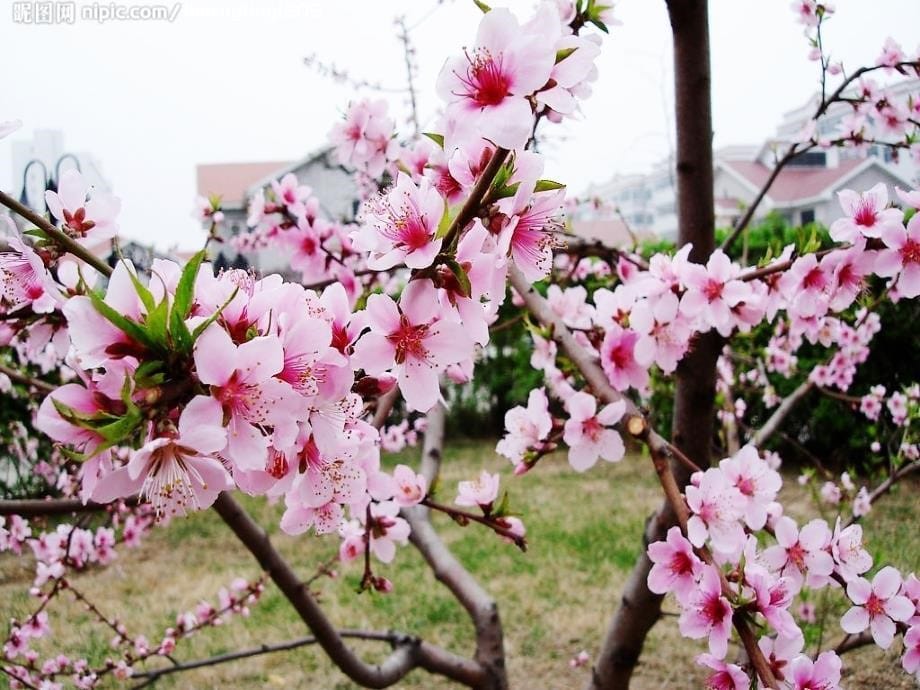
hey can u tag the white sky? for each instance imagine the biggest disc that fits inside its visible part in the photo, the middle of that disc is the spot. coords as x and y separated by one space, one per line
226 83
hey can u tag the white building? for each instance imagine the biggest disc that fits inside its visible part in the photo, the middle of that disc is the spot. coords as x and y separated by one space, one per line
804 191
236 183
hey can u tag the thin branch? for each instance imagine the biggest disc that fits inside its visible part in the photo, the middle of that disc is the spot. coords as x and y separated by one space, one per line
463 517
155 674
64 241
27 380
887 485
781 412
41 507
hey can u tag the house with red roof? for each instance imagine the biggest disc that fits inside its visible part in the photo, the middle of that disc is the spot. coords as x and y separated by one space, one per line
237 183
804 191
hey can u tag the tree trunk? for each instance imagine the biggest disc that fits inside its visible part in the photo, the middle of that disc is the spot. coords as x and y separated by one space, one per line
694 412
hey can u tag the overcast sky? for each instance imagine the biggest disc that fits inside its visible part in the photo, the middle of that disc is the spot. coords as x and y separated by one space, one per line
225 82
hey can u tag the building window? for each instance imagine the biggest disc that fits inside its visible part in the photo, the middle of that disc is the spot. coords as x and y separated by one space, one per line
811 159
808 216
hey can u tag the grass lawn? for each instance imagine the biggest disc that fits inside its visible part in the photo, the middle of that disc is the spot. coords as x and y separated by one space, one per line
556 599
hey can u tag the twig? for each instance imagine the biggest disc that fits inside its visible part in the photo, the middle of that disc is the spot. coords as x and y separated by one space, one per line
27 380
64 241
463 516
155 674
471 206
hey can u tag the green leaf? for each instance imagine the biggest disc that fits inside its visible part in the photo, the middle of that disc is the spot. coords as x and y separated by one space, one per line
563 54
121 429
72 454
180 334
435 137
142 291
466 289
182 302
156 323
482 6
123 323
503 509
444 225
548 186
199 329
35 232
507 191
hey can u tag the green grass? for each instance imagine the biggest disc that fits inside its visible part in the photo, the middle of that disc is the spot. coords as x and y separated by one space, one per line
584 532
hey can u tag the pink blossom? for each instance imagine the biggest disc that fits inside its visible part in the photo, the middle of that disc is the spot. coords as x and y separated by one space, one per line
86 220
798 554
717 509
177 471
865 214
891 54
242 380
708 613
478 492
850 558
779 651
756 482
401 226
676 567
24 280
526 427
587 431
901 258
528 236
409 339
821 674
492 80
911 659
726 676
877 606
365 140
712 292
618 359
410 486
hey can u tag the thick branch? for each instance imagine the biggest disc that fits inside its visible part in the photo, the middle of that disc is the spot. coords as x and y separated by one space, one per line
481 607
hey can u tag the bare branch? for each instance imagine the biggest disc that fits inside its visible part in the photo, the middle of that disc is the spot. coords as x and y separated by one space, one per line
411 653
781 412
481 607
39 507
155 674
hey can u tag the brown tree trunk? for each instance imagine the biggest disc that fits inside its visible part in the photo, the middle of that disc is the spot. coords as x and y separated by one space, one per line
694 412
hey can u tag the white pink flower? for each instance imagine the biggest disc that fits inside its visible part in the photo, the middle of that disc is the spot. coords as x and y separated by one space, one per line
478 492
491 81
587 431
409 340
675 567
865 215
877 605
